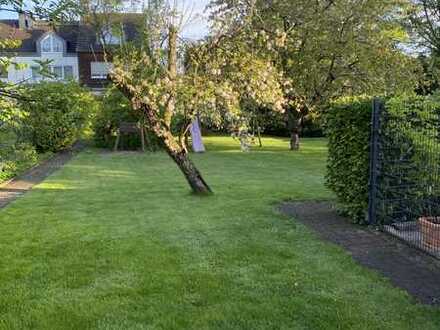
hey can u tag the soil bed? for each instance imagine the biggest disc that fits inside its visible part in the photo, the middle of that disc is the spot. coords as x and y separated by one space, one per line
406 267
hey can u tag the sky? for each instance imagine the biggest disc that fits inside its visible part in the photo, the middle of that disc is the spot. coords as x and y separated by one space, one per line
194 29
198 27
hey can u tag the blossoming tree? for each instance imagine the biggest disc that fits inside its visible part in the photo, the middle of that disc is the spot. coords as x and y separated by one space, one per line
213 77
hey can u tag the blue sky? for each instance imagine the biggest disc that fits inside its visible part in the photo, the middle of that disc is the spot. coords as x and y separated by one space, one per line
196 28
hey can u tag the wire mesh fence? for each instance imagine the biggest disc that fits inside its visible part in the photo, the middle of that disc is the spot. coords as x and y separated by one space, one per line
405 172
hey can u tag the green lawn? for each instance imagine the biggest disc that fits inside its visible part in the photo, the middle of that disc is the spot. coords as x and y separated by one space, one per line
115 241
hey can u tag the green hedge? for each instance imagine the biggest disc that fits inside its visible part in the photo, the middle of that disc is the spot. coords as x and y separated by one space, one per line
347 125
412 130
56 115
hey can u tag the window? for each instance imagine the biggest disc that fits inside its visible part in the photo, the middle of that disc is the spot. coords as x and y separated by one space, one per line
51 44
36 74
68 72
58 72
57 45
100 70
46 45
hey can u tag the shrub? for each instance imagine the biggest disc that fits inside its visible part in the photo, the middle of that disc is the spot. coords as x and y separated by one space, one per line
15 155
56 115
16 158
114 110
411 129
348 125
411 134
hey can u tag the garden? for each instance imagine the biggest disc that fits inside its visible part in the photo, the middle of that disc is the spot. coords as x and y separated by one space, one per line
248 180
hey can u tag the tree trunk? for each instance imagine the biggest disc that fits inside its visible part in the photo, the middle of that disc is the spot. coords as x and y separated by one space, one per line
191 173
160 126
294 141
180 156
172 74
260 143
174 149
294 124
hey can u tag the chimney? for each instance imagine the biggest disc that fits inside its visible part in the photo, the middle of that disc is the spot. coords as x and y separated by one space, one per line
25 21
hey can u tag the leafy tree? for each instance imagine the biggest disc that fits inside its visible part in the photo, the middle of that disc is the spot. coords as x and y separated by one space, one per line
218 76
326 48
424 20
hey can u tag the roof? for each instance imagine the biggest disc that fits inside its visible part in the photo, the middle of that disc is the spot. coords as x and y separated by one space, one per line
9 30
79 37
87 38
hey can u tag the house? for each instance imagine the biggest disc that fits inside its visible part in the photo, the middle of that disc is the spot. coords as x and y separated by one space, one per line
72 51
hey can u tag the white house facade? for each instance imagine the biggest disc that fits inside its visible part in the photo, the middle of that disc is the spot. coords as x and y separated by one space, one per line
50 49
71 51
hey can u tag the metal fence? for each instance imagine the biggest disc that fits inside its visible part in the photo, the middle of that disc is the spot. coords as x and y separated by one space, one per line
405 173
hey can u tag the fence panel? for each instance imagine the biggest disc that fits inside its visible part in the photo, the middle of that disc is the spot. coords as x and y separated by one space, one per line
405 176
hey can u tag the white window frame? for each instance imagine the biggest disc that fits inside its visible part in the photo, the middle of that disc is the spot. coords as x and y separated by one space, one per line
72 76
51 69
35 73
100 70
59 76
53 40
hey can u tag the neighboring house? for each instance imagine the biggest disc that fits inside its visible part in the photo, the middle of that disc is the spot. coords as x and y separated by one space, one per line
75 51
93 68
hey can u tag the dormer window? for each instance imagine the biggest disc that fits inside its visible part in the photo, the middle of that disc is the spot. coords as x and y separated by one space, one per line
51 44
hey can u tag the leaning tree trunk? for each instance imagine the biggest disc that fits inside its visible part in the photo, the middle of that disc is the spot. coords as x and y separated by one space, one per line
189 170
174 149
177 152
161 126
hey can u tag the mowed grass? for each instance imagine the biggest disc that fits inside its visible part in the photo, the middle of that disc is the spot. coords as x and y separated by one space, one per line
116 241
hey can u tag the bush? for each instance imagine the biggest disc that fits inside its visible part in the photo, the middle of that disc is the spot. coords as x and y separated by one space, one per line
56 115
116 109
14 159
411 130
348 125
15 155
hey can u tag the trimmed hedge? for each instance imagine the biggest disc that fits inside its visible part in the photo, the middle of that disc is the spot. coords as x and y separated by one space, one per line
348 125
412 128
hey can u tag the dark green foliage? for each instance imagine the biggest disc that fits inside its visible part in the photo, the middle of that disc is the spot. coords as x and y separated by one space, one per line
16 158
116 109
409 139
348 128
411 153
15 155
428 82
57 115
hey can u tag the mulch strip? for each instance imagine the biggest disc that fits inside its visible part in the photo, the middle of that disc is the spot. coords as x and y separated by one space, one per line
20 185
405 266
